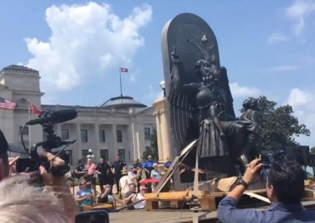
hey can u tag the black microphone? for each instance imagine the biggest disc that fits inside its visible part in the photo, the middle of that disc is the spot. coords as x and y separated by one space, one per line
55 117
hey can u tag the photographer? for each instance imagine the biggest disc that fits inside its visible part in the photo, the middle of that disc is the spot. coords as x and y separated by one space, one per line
285 189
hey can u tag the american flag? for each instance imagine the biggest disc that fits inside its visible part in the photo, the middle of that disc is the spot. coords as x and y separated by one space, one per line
6 104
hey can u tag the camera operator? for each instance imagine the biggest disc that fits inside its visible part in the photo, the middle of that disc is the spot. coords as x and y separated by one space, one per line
285 190
21 202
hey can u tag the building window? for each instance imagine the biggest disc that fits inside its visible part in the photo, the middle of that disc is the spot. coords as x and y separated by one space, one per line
65 134
121 154
84 135
119 135
147 133
85 152
104 154
69 157
102 135
25 132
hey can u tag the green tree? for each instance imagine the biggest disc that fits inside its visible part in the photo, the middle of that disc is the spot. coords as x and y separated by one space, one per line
153 148
313 149
278 125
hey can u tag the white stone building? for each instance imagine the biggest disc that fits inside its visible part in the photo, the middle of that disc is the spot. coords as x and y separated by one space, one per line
121 126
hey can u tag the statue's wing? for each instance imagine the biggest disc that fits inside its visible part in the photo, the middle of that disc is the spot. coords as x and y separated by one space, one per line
183 111
225 87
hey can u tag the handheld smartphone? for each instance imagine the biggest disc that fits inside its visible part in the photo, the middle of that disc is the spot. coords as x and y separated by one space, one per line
92 217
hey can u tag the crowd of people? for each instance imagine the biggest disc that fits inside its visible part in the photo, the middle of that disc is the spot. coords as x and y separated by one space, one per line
116 174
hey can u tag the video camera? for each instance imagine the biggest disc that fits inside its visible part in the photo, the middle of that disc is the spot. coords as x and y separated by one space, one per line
51 144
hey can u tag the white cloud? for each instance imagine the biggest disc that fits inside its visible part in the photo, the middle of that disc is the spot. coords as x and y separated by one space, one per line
298 12
86 41
238 91
282 68
276 37
303 104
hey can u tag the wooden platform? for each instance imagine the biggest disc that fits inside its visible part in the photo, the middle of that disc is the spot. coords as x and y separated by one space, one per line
207 200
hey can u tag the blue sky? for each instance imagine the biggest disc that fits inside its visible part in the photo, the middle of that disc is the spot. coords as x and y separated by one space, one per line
267 47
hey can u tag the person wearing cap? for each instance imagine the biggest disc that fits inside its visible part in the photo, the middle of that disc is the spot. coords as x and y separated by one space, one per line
84 196
124 182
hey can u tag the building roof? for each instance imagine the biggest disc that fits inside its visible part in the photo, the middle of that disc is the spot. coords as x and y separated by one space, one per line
122 102
19 68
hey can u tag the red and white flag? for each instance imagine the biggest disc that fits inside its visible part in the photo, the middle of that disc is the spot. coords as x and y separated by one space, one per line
35 110
124 70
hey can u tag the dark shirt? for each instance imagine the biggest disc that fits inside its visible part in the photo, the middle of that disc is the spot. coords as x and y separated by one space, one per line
130 201
80 167
148 165
277 212
102 168
118 166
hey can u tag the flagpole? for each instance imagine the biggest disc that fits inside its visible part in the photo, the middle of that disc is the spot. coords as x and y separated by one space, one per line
121 94
29 127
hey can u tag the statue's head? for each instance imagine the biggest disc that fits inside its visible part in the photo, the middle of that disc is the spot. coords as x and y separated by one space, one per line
250 103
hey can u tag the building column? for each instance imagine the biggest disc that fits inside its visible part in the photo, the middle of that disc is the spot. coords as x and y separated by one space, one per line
97 141
159 136
79 142
138 145
114 133
58 130
134 141
131 144
166 136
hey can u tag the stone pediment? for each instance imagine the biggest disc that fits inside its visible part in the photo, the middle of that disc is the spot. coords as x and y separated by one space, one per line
146 111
